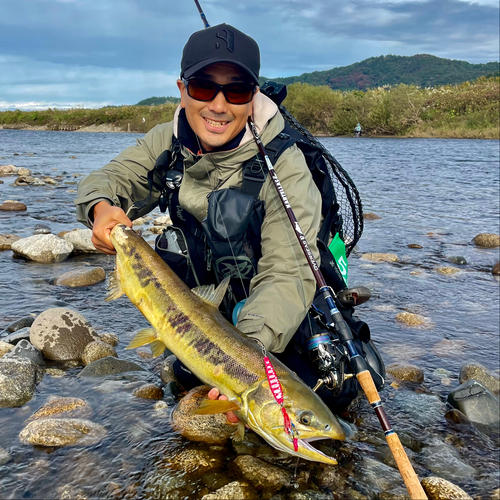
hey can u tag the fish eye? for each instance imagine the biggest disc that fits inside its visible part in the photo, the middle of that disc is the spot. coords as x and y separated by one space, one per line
306 418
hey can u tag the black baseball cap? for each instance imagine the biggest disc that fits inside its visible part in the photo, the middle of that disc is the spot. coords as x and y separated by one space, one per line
221 43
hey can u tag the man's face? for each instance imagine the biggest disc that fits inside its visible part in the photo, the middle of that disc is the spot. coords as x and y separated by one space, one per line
216 122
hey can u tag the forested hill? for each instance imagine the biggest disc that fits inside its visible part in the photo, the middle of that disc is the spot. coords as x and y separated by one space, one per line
423 70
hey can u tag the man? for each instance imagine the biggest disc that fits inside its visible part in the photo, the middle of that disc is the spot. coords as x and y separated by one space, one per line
219 91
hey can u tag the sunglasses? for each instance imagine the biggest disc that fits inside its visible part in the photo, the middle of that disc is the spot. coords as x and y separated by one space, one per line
203 89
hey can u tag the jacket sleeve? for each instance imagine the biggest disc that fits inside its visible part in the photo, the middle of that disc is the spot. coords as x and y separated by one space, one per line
284 287
124 180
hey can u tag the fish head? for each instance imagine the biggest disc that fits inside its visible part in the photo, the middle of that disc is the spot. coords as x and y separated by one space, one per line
311 419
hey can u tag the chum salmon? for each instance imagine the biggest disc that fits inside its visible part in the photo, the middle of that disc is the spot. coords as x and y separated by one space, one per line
189 324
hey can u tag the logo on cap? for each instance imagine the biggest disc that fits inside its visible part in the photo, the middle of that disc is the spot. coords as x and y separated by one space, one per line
228 37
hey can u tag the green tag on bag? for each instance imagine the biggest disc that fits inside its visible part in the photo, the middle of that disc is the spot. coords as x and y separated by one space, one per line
337 249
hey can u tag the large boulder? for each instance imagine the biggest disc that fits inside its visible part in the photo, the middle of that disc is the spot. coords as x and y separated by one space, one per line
62 334
44 248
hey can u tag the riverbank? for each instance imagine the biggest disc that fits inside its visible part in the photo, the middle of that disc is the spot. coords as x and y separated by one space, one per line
466 111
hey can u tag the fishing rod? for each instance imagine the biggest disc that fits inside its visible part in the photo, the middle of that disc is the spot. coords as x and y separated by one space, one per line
344 333
202 14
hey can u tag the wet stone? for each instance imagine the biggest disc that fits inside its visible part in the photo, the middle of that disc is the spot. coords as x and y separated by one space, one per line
414 245
167 369
6 240
237 489
62 334
423 409
58 406
17 336
43 248
18 379
5 456
262 475
457 417
447 270
82 277
437 488
406 372
374 477
411 319
448 348
476 371
487 240
109 366
148 391
13 206
81 240
62 432
110 338
495 270
20 323
457 259
42 229
70 492
24 349
370 216
380 257
97 350
314 495
5 347
214 429
193 459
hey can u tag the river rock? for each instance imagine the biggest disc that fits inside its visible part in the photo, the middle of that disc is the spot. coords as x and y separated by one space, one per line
380 257
24 180
109 366
437 488
6 240
414 245
62 432
82 277
148 391
57 407
406 371
496 269
370 216
44 248
62 334
13 206
480 373
237 489
448 348
7 169
110 338
487 240
478 403
18 379
262 475
163 220
155 229
97 350
213 429
81 240
20 323
5 456
444 461
193 459
167 369
457 259
447 270
42 229
71 492
24 349
23 171
5 347
374 477
423 409
14 338
411 319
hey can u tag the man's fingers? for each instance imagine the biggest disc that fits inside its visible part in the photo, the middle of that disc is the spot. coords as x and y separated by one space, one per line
215 394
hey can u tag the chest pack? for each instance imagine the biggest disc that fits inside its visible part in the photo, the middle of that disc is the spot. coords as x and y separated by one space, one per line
227 242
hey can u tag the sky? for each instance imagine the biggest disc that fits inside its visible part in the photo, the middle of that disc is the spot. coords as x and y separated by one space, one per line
93 53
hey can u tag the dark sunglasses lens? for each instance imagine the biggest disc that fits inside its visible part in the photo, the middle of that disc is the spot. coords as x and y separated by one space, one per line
239 93
202 90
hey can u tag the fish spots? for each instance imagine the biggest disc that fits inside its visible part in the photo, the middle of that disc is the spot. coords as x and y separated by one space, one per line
177 320
218 371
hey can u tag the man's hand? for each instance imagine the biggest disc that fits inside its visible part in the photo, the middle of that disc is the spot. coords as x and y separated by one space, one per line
106 217
214 394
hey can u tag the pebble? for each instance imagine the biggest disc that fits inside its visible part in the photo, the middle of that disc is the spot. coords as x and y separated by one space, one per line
411 319
55 372
406 372
457 259
110 338
437 488
447 270
213 429
42 229
261 474
97 350
44 248
370 216
487 240
148 391
62 432
5 456
380 257
82 277
414 245
62 334
6 241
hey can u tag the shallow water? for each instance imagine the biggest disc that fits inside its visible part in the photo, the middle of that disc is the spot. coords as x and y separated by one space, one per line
437 193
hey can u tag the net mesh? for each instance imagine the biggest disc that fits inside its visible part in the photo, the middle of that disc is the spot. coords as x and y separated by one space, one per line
350 206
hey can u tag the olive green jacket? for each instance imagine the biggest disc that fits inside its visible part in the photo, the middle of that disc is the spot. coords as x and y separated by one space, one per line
283 288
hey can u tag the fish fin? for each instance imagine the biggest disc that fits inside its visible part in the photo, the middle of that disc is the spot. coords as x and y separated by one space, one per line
212 295
146 336
239 434
157 348
215 406
114 287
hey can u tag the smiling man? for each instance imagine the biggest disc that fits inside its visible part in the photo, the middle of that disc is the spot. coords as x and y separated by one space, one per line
227 218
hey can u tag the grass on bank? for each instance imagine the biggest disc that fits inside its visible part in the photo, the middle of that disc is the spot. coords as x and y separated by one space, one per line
468 110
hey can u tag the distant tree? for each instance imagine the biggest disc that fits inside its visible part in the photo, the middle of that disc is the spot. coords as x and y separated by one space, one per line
156 101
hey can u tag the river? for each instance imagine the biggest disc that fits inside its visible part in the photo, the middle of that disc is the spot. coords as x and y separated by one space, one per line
432 192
